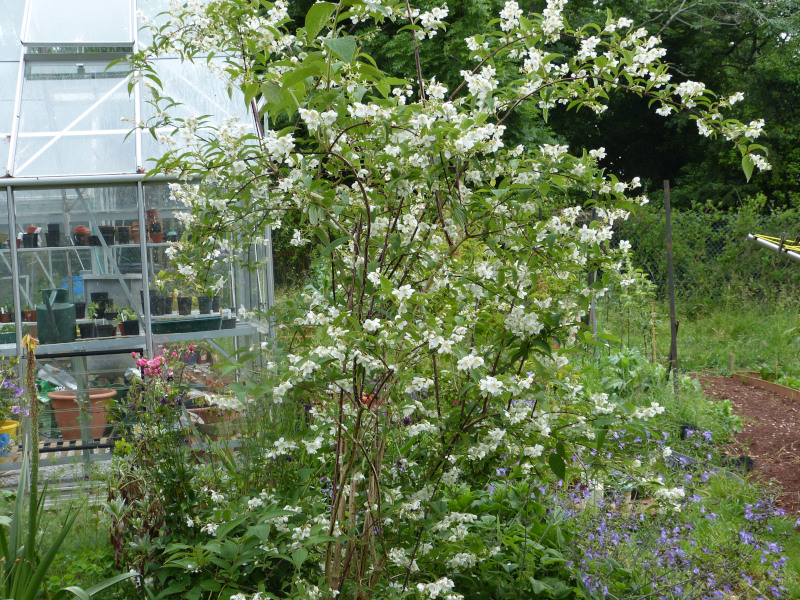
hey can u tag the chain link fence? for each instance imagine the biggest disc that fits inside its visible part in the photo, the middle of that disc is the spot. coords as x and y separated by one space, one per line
711 256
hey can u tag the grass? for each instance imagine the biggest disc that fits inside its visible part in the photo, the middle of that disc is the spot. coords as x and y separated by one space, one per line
756 333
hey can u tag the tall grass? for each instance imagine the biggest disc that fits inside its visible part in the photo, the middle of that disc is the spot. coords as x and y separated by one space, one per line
757 332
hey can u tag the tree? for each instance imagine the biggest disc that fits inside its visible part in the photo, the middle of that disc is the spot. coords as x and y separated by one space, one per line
748 47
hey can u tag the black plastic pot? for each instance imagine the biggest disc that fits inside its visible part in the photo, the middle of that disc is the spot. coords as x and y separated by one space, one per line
166 304
81 239
106 331
30 240
130 327
184 305
204 304
80 310
215 304
94 240
52 239
88 330
156 305
124 234
228 323
111 313
109 239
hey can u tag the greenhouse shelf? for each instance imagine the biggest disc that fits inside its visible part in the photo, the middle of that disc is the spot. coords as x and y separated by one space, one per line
134 343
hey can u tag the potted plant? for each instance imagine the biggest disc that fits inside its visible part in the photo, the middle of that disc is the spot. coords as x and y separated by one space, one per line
111 313
89 330
5 313
80 310
29 314
156 233
8 334
108 328
129 324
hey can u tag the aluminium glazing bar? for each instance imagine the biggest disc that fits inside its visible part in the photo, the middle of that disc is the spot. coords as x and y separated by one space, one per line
82 180
148 320
12 149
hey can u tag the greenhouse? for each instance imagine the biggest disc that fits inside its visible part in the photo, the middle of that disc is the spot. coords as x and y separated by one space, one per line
85 234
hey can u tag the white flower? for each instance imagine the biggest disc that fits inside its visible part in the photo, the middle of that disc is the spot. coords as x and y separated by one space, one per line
298 239
490 385
403 293
599 154
187 270
533 451
313 445
210 528
470 361
371 325
624 245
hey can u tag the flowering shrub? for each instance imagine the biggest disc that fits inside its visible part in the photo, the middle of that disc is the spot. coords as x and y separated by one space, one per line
434 356
10 392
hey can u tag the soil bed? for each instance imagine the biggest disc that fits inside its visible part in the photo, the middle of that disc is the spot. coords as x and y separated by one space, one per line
771 434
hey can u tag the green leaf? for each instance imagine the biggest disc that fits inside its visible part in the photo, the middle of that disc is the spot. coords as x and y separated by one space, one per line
317 16
557 465
747 166
224 529
299 556
343 47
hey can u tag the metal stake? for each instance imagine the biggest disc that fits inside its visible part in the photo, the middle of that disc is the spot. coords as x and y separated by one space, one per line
673 349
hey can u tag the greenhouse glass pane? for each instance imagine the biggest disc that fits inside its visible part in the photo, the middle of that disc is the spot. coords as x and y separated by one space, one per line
70 154
199 92
10 25
8 87
70 109
79 21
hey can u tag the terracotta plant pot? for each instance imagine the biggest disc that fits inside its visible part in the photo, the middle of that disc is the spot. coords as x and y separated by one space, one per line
29 316
66 409
216 421
5 317
31 229
135 232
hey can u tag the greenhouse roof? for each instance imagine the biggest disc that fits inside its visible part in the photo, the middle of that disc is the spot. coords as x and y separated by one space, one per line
64 111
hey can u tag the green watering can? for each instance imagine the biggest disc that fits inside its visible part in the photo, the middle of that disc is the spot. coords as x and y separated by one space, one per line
56 317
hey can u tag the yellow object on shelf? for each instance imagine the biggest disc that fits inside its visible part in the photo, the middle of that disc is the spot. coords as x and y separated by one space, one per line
9 427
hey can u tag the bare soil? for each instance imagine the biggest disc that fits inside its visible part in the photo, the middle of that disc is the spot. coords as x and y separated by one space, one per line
771 435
